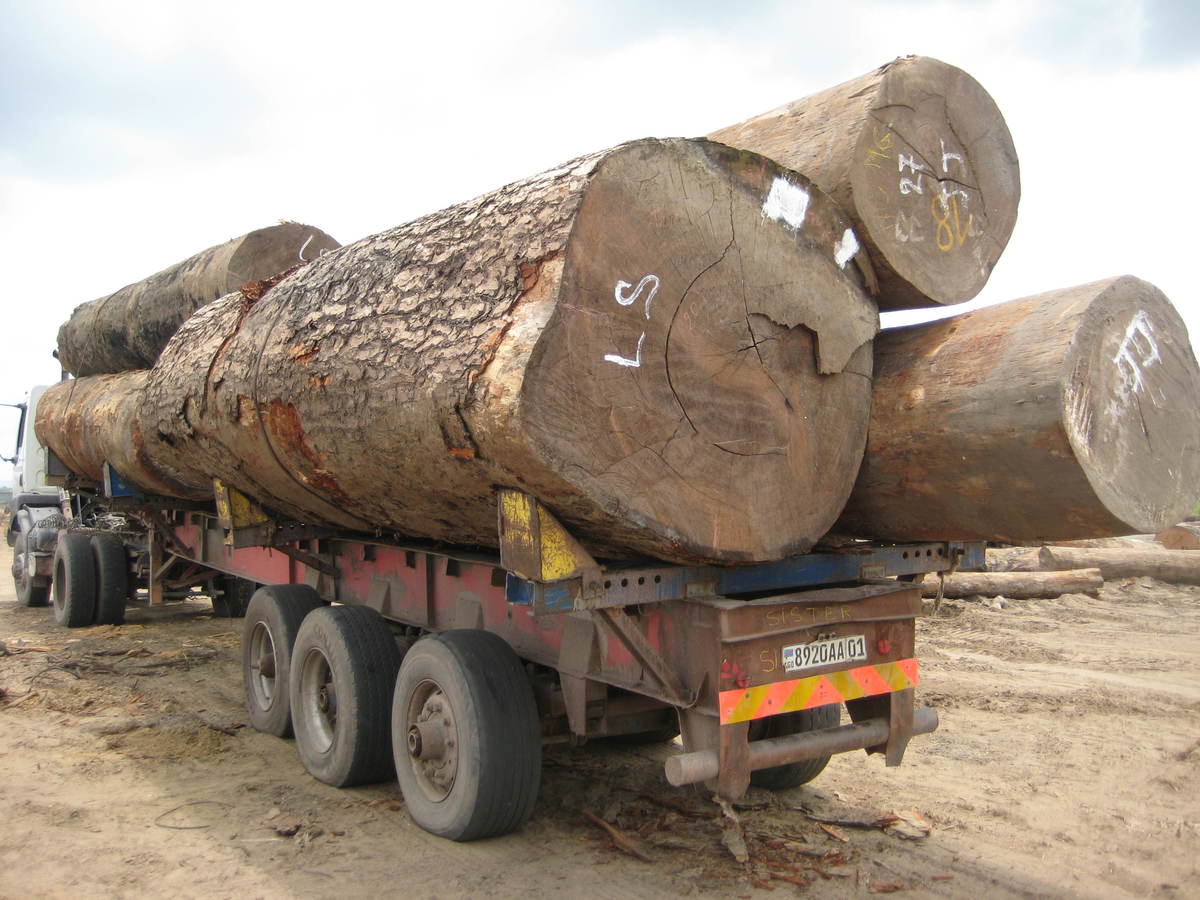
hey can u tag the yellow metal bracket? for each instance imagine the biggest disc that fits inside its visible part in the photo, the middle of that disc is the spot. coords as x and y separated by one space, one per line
235 510
535 545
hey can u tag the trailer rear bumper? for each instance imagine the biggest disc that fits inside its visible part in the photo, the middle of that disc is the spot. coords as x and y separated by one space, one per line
703 765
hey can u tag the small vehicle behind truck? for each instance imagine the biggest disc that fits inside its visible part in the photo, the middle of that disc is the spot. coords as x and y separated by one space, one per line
450 668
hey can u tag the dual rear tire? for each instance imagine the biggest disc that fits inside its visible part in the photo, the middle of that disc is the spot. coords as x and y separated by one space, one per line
454 718
91 580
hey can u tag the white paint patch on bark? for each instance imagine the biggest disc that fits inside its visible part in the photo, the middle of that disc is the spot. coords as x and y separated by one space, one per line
787 203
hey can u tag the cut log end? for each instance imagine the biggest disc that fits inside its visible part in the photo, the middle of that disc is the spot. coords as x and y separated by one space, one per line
920 157
1130 406
935 183
708 364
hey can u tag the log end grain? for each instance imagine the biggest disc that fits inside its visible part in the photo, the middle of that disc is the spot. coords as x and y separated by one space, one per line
936 184
1130 406
708 362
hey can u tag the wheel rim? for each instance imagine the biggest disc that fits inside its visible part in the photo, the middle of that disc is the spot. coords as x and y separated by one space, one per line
318 701
262 666
432 736
20 566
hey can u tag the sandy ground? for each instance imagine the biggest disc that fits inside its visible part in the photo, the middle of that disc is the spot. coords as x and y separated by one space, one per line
1067 765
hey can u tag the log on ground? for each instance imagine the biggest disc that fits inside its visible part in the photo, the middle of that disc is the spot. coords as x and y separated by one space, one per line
1012 559
921 159
90 421
1018 585
128 328
661 342
1070 414
1173 566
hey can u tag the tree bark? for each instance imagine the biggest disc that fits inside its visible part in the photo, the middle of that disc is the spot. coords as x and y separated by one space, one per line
921 159
662 342
1067 415
128 329
1018 585
1174 566
93 420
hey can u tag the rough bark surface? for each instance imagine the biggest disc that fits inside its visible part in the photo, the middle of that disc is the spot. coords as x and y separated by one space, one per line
128 329
664 343
93 420
919 156
1018 585
1067 415
1174 566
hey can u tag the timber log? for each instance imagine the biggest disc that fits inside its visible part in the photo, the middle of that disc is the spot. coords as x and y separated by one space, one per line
919 156
666 343
128 329
1066 415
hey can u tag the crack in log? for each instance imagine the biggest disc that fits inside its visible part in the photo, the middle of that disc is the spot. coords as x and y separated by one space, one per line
675 315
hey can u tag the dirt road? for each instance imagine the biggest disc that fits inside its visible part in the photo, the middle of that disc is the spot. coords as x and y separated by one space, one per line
1067 764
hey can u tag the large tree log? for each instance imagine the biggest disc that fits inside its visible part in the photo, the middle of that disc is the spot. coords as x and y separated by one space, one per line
1067 415
919 156
128 329
90 421
1175 566
1018 585
661 342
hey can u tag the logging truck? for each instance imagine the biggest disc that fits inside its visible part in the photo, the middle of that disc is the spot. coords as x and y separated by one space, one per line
556 463
453 666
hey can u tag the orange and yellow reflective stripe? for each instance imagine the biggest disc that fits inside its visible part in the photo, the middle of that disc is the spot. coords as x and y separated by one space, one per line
744 704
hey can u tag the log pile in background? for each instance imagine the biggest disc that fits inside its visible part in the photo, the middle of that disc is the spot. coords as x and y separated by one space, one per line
128 328
1070 414
920 158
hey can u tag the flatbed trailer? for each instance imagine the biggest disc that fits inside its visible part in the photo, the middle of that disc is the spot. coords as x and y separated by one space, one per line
452 667
749 664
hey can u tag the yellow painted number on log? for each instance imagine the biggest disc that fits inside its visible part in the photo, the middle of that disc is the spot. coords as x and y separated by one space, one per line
879 151
949 237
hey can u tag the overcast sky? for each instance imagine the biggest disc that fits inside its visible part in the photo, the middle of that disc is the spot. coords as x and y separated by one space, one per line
133 134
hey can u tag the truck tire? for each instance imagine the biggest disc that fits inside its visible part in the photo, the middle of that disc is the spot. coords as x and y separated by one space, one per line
29 591
112 579
344 669
74 580
234 598
790 775
466 736
272 621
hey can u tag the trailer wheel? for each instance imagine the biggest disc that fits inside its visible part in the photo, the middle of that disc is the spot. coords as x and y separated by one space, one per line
112 579
343 676
779 778
74 580
465 735
29 591
272 621
234 599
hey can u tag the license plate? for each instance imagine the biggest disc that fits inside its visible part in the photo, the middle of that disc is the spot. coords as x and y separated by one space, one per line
798 657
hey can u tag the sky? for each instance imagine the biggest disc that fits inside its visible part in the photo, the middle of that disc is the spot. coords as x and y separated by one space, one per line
134 134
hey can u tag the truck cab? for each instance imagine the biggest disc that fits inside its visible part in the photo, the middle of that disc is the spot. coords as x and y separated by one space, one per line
35 514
